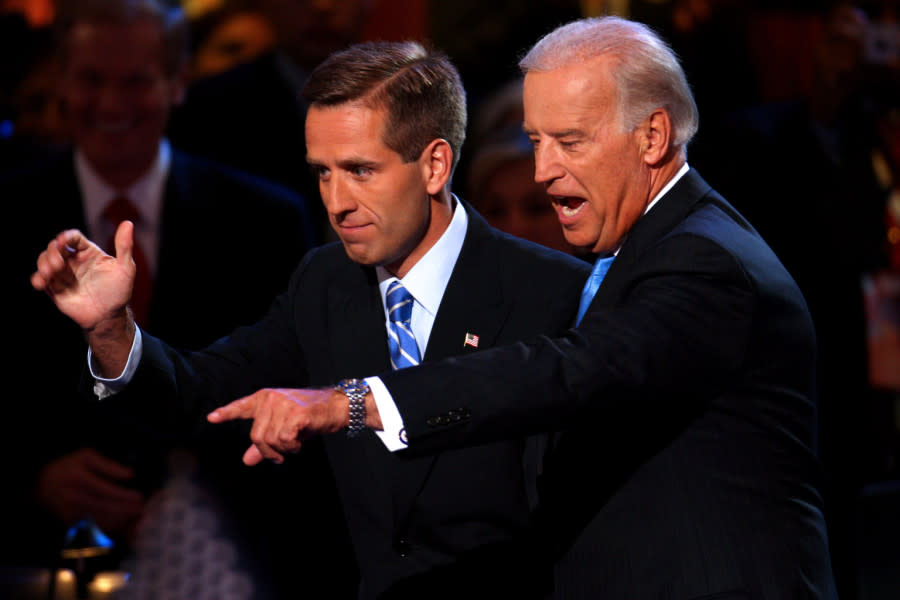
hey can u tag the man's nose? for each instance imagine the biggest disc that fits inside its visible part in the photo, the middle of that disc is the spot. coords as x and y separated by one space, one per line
335 196
109 97
546 165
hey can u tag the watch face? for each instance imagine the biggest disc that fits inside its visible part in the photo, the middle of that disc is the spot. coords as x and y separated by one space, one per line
353 386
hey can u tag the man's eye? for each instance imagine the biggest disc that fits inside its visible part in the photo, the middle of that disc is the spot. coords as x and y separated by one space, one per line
319 172
361 171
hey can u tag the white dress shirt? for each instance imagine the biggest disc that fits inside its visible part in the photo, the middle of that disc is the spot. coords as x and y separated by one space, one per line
426 281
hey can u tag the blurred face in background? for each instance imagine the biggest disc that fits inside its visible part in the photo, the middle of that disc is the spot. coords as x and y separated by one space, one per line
510 200
116 96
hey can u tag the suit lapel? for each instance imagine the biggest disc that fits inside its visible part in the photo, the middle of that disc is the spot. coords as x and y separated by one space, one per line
472 303
357 333
358 342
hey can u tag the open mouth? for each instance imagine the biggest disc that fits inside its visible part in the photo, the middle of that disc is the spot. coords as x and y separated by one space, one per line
568 206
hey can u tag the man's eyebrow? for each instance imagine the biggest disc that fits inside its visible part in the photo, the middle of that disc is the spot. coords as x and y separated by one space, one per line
343 163
566 133
556 134
354 162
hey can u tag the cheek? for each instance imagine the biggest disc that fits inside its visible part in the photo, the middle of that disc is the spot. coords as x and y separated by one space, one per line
595 217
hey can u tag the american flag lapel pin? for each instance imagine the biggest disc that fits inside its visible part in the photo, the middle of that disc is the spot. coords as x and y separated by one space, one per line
471 340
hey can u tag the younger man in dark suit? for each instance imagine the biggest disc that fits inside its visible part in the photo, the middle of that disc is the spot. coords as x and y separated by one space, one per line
688 465
384 131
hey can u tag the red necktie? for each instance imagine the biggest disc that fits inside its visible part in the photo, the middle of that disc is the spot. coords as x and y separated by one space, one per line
121 209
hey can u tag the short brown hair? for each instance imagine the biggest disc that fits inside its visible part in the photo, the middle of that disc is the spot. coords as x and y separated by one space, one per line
419 89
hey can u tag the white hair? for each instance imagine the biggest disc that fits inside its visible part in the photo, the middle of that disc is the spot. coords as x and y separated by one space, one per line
645 70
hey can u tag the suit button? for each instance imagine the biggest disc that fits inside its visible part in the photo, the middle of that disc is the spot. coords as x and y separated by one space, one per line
402 547
433 422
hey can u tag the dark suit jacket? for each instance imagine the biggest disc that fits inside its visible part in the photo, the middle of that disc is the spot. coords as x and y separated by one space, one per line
404 516
688 465
820 206
228 244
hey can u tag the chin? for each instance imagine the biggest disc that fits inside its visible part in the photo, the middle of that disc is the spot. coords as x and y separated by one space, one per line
578 241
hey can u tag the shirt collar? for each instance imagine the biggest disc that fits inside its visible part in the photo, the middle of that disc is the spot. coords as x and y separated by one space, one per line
146 193
684 169
428 278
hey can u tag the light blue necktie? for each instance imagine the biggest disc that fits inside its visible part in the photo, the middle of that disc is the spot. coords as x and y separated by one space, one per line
401 341
593 284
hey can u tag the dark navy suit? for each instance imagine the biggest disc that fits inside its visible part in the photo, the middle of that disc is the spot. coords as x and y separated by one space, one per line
686 466
405 515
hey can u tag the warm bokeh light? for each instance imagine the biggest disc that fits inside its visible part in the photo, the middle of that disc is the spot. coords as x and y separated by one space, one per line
37 12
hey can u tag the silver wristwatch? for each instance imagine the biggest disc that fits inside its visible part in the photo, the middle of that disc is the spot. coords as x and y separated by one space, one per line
355 390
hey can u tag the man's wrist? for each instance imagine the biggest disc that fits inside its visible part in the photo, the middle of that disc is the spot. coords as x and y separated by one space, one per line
356 391
111 341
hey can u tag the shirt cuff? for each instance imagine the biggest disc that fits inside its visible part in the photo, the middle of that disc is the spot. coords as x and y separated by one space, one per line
393 434
105 388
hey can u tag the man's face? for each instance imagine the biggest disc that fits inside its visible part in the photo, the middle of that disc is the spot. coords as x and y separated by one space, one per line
592 169
116 94
378 204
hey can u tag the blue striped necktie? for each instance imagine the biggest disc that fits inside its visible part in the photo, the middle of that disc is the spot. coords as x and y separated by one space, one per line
401 341
593 284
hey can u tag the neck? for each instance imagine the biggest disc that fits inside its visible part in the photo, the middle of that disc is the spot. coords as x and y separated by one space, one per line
663 173
440 215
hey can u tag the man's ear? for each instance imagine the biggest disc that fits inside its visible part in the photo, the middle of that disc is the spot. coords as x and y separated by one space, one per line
436 161
655 137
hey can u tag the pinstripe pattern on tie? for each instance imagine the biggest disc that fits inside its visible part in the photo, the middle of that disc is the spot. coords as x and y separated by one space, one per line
401 341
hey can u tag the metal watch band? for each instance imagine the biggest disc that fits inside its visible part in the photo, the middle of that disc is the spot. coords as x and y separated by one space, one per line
355 390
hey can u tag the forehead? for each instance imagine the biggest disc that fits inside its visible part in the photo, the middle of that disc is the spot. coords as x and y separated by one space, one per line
137 44
343 130
568 97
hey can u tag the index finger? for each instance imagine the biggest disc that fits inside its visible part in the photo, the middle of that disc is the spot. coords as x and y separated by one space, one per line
70 241
243 408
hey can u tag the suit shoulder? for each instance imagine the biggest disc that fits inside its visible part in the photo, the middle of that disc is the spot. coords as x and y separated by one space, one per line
718 222
329 261
523 255
714 239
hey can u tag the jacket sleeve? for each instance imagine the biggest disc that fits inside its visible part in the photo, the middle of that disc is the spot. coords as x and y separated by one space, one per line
676 332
